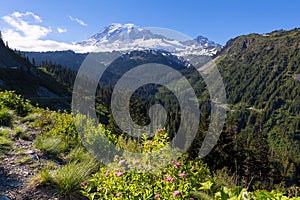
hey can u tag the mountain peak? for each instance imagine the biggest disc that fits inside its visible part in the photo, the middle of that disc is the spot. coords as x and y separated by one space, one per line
128 37
121 25
205 42
127 25
115 26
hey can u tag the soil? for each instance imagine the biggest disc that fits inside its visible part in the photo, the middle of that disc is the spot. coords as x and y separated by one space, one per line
18 168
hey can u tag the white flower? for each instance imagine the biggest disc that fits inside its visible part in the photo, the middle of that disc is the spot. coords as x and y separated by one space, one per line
245 195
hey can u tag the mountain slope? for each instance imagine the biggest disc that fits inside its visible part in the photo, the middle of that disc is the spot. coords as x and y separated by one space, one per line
259 67
18 74
261 141
8 58
73 60
68 59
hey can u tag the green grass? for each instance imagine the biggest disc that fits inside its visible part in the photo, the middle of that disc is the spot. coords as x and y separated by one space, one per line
31 117
25 160
67 179
78 165
5 141
20 132
51 165
53 145
78 154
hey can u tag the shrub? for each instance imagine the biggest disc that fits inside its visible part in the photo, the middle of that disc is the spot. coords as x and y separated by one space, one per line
238 193
175 180
15 102
6 117
63 125
182 179
45 121
222 178
59 135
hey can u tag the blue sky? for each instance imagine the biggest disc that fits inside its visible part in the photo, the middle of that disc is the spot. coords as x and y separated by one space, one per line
78 19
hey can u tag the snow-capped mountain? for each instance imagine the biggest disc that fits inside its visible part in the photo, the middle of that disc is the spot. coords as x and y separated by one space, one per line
128 37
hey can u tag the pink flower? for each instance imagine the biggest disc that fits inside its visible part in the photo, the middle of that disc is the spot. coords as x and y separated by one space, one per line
118 194
157 196
120 174
122 162
147 143
84 183
136 162
176 164
116 156
176 193
159 130
182 174
106 175
192 199
170 179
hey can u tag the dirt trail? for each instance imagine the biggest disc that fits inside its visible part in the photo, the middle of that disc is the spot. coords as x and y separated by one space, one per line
18 167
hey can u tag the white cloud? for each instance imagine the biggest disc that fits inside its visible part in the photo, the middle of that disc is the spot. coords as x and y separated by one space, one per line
25 33
19 15
79 21
17 41
61 30
33 31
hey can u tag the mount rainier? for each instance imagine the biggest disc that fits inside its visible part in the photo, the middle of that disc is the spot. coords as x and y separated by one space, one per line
126 38
129 37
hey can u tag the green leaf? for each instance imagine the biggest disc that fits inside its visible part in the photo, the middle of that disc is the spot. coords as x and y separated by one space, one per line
224 193
206 185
